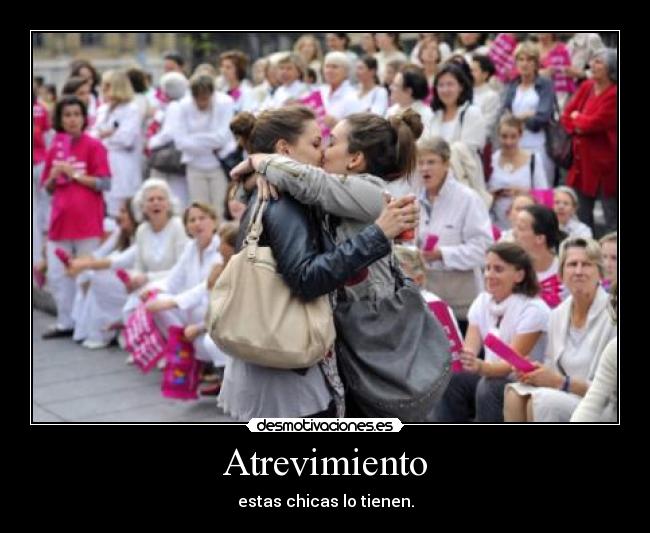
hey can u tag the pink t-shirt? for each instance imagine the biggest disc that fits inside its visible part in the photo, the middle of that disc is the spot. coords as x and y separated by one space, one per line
560 57
77 210
40 124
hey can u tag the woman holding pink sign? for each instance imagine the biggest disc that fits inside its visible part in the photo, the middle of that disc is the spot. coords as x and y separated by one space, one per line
75 173
579 330
455 229
510 310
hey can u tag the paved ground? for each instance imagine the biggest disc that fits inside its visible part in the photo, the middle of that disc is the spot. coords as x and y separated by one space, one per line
72 384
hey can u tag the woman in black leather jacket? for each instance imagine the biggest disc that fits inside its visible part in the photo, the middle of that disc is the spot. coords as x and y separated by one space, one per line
311 265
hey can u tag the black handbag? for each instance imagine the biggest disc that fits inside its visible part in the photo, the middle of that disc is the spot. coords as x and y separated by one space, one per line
393 354
167 159
559 142
231 161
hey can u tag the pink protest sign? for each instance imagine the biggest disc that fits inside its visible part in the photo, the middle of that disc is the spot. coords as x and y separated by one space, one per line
143 339
551 291
123 275
63 256
441 311
506 353
543 197
315 101
430 242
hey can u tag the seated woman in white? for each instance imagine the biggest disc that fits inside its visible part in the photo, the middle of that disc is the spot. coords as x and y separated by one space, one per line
101 295
185 301
160 241
579 329
511 310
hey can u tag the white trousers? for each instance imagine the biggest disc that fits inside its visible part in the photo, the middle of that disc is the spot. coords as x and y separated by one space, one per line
64 287
99 306
208 187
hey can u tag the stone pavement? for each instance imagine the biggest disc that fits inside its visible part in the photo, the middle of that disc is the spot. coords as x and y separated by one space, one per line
73 384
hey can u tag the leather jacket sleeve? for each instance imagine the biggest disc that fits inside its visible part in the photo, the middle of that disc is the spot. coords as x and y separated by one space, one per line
298 248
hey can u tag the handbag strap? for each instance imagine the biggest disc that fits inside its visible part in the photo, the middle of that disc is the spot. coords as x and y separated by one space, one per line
255 227
532 170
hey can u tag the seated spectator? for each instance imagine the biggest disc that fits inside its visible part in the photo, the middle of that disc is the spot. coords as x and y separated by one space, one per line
565 205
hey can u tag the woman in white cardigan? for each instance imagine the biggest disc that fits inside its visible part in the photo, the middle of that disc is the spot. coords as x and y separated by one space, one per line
455 118
185 302
160 241
579 330
600 404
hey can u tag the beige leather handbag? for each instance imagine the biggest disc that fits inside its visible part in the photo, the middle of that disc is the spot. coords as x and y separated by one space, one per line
253 315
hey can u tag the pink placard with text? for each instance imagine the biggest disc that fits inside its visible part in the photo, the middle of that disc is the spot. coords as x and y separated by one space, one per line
441 311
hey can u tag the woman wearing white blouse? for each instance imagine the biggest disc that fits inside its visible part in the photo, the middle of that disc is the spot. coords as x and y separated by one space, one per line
485 97
514 170
579 329
390 49
509 309
459 218
119 125
455 118
185 301
160 241
372 96
339 96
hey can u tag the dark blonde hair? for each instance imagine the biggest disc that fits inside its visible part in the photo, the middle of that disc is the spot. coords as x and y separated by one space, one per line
388 145
228 233
511 121
207 209
260 134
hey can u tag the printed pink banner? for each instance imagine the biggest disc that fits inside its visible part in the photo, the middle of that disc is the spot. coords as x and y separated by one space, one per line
441 311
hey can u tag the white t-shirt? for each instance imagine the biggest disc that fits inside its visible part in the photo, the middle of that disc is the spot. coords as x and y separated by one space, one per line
374 101
519 314
527 100
505 179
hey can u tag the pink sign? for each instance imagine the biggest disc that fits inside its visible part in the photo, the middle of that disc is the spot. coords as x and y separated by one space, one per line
543 197
315 101
143 339
506 353
123 275
63 256
441 311
430 242
181 377
551 291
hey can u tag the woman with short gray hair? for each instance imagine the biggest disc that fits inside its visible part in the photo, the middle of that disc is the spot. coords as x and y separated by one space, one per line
591 118
579 330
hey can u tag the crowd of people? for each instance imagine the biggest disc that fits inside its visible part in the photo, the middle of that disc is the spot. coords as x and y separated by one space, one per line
143 192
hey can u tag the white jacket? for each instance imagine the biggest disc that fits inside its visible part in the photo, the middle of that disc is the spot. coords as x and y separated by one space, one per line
599 327
188 278
471 129
124 146
461 221
150 259
198 134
